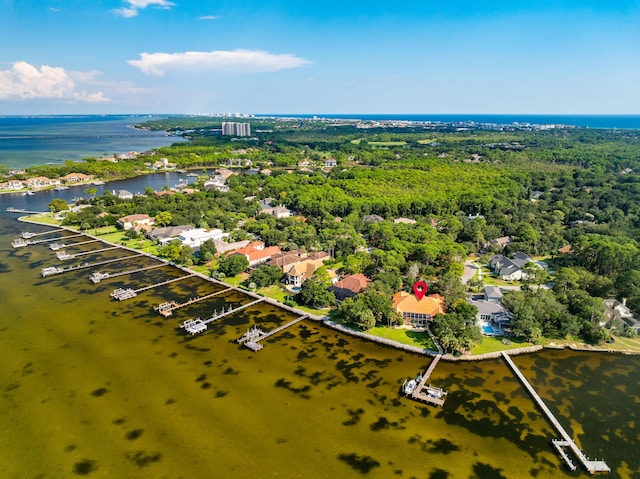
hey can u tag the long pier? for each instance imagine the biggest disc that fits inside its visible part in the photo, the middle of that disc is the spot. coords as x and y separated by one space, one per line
167 309
53 270
139 290
29 234
58 238
252 338
63 255
97 276
73 244
567 441
427 393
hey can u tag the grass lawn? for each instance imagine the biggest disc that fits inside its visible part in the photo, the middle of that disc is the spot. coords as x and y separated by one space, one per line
274 292
493 344
420 339
620 344
387 143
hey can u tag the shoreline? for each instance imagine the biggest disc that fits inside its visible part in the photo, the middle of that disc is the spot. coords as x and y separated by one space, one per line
324 320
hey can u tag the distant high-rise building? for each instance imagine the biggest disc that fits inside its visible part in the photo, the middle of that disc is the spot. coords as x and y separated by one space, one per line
233 128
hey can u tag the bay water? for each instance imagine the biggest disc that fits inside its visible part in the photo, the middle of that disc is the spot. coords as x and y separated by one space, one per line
100 388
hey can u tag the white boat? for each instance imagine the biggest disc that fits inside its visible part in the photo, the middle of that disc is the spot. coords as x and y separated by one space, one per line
97 183
61 188
28 193
409 386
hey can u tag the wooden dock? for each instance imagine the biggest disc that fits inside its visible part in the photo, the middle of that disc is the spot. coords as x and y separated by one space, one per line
139 290
96 277
425 392
63 255
53 271
167 309
47 240
29 234
591 466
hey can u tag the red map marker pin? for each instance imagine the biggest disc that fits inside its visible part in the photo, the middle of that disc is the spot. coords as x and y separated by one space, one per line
420 289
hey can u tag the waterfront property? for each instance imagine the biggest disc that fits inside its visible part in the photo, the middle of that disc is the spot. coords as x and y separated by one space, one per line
591 466
415 312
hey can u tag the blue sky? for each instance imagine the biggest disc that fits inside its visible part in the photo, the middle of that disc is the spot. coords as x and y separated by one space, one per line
295 56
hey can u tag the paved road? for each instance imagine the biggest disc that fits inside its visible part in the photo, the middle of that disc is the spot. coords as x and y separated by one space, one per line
470 269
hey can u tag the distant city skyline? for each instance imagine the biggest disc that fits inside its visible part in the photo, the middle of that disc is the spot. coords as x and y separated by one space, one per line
286 56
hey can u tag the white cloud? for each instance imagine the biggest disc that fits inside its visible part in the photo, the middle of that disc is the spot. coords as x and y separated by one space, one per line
209 17
26 82
135 5
246 61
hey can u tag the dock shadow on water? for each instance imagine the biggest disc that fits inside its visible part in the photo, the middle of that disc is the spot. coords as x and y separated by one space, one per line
139 398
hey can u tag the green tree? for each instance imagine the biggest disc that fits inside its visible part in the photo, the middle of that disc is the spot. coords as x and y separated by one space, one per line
313 293
58 205
266 275
164 218
233 265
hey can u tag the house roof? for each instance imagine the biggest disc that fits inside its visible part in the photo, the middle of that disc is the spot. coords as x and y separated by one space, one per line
355 283
408 303
169 231
492 292
133 218
305 268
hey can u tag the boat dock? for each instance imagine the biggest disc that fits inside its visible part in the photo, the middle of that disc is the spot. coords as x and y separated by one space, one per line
58 238
128 293
591 466
252 337
139 290
57 246
63 255
425 392
96 277
53 270
167 309
29 234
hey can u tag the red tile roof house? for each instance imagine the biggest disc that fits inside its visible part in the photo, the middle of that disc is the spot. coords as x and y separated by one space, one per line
40 181
132 221
256 253
350 286
418 312
75 178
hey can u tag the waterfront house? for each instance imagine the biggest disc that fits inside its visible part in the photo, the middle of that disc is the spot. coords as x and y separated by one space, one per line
616 310
167 234
134 221
40 182
11 185
299 272
75 178
350 286
256 252
123 194
415 312
195 237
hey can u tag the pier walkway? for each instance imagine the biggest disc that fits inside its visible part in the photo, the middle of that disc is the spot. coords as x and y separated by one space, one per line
63 255
97 276
252 337
427 393
57 246
53 270
167 309
29 234
58 238
591 466
139 290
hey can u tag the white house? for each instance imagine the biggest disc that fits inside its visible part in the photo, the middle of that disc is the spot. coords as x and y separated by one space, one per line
197 236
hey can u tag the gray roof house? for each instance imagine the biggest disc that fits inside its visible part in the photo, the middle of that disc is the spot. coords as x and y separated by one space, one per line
614 309
510 269
168 233
492 293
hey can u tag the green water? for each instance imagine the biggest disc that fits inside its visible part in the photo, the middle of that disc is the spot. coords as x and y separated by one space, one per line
99 388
